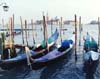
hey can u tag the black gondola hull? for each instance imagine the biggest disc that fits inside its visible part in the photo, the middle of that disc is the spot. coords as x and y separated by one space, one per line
9 65
40 65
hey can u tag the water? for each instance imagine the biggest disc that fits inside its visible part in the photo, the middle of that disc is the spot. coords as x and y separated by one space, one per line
63 69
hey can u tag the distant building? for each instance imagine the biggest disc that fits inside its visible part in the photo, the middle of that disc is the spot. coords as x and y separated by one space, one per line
52 21
93 22
39 22
69 22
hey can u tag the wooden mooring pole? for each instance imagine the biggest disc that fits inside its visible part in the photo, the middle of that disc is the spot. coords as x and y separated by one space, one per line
60 27
22 30
75 38
80 30
99 33
33 32
26 32
45 32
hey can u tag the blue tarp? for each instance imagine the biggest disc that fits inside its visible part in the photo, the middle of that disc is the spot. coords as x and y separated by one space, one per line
66 43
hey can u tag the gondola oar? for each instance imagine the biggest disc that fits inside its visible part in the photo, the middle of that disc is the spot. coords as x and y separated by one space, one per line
33 32
75 37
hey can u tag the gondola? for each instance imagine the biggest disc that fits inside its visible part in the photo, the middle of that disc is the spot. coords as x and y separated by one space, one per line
91 56
90 44
66 48
14 33
39 47
38 52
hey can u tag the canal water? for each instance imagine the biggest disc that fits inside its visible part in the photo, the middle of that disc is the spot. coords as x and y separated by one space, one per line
62 69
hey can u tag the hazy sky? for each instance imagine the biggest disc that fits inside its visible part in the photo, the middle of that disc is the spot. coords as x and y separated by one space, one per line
28 9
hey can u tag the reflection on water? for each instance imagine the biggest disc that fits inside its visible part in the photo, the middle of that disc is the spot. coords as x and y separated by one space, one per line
54 68
62 69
